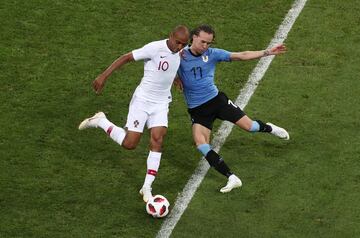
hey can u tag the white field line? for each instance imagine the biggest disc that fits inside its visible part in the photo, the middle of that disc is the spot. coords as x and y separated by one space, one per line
242 100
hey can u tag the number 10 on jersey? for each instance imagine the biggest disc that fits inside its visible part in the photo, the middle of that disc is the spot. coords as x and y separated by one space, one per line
163 65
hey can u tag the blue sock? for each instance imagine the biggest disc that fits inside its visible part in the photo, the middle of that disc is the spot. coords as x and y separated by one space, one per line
255 127
204 148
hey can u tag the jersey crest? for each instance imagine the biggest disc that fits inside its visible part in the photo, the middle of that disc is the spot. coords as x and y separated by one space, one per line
205 58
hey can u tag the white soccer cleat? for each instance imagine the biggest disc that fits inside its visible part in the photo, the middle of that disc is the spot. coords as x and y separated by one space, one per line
92 121
146 193
233 182
279 132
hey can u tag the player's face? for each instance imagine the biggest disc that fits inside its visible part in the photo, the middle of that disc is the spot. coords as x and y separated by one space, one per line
178 41
202 42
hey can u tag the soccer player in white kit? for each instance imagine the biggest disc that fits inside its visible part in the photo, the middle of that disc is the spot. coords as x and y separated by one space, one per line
150 102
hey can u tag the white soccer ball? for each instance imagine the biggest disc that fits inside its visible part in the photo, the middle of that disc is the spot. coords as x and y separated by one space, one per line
158 206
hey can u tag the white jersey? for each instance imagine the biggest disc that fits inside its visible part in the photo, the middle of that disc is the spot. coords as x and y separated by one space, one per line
160 68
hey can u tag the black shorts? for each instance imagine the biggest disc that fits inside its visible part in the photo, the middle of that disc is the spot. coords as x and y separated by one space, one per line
220 107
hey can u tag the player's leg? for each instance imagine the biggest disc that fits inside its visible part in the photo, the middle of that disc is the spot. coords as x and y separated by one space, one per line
135 123
201 137
136 120
100 120
131 139
231 112
249 125
258 126
203 118
157 123
157 135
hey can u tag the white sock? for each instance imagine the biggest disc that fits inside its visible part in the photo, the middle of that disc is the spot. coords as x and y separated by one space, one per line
104 123
153 163
115 133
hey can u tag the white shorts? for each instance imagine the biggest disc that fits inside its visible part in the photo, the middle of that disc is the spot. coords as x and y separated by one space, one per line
143 112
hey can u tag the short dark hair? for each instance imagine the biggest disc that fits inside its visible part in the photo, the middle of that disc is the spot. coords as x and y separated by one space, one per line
180 28
205 28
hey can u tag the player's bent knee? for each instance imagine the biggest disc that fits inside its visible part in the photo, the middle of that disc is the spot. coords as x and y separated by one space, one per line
157 140
130 144
131 140
156 144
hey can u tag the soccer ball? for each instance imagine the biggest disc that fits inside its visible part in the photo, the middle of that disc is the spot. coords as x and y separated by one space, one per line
157 206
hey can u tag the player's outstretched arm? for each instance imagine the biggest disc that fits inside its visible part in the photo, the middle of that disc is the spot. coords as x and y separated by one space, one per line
99 82
249 55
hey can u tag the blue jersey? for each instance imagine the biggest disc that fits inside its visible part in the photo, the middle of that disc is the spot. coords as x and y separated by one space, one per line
197 75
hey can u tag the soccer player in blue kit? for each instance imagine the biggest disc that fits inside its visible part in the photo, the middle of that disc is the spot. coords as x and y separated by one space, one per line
205 102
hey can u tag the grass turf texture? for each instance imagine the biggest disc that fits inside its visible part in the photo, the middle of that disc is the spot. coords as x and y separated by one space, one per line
59 182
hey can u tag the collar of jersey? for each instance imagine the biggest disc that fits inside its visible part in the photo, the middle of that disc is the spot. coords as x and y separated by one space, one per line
193 54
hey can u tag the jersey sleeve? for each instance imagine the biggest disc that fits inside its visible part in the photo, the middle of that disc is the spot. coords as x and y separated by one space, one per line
146 52
221 55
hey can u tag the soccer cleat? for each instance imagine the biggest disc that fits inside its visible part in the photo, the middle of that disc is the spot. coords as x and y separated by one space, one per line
279 132
146 193
91 121
233 182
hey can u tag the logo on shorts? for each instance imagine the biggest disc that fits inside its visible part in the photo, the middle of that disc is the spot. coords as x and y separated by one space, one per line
205 58
136 123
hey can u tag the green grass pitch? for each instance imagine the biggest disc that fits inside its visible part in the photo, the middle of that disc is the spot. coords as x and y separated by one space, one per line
56 181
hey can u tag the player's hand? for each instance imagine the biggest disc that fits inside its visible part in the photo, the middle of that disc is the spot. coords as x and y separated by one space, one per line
279 49
99 83
178 84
